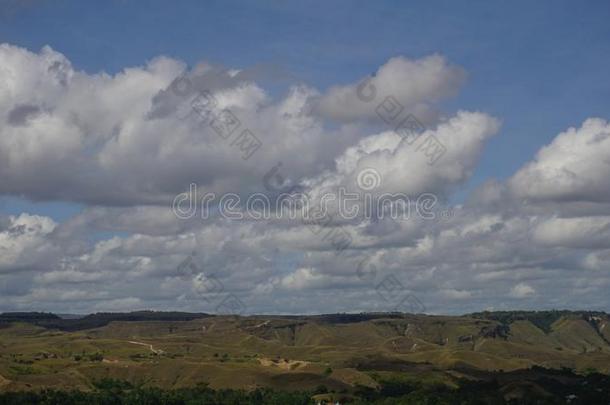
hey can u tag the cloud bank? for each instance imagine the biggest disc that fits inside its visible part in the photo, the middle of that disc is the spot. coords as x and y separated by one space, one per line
125 145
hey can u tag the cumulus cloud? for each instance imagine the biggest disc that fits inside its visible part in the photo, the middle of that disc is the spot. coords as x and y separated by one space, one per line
405 168
575 167
133 138
24 242
125 144
416 83
522 290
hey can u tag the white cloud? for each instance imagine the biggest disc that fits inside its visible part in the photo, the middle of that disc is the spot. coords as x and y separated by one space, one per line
303 278
574 167
522 290
404 168
24 243
117 143
416 84
124 139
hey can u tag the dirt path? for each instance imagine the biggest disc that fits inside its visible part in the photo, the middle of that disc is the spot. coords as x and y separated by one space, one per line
152 349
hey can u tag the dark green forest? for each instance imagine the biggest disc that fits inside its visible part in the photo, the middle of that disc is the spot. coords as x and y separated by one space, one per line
594 389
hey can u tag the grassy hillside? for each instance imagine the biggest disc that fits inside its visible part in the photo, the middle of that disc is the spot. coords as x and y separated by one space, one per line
340 352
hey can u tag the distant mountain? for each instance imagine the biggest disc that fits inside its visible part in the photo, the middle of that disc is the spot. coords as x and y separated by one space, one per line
27 316
82 322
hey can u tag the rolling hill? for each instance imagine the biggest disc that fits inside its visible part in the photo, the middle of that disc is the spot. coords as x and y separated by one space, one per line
339 351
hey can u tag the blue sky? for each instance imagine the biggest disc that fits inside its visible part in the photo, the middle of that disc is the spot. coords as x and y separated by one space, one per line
539 67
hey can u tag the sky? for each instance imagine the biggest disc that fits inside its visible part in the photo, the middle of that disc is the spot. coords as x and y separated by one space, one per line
97 142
